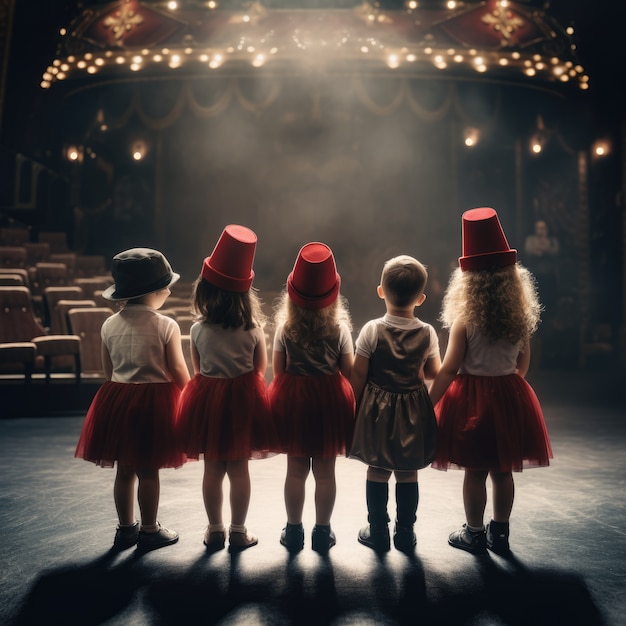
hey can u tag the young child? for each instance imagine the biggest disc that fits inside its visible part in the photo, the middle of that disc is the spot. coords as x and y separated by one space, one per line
310 393
395 427
490 420
224 412
131 418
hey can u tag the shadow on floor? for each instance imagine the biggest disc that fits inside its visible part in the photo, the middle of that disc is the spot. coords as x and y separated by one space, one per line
496 591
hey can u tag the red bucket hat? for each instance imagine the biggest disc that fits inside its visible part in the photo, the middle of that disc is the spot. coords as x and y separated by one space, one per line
314 282
230 265
484 242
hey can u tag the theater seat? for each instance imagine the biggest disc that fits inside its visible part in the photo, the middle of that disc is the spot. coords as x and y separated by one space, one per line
19 325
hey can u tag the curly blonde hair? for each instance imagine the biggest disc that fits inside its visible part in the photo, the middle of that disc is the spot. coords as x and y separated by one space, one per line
307 326
503 303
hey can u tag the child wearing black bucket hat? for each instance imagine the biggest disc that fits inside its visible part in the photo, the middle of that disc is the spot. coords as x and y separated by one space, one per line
310 393
490 420
131 418
223 414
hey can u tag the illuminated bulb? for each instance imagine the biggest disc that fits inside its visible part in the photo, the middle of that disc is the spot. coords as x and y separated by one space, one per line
451 4
137 155
137 59
569 30
120 60
44 84
212 4
411 58
458 58
412 4
65 67
157 58
393 61
216 61
364 49
259 60
99 62
172 5
204 58
63 32
72 153
471 137
92 69
61 76
135 67
246 18
503 61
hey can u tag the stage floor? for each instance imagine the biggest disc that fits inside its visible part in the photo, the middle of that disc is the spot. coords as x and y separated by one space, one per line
567 534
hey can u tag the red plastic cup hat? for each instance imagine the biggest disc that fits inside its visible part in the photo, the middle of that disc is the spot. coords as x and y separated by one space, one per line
314 282
484 242
137 272
230 265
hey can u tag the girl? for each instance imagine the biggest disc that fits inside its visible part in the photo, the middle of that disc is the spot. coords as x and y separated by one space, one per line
490 420
310 393
131 418
395 427
224 412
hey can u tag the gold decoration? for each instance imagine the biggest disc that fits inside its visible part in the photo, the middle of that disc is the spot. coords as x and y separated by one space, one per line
504 22
123 21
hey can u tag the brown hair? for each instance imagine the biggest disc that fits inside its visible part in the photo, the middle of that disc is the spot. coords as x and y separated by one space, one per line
213 305
403 280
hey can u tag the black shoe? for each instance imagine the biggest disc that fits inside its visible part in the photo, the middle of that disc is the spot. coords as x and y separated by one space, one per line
465 539
322 539
404 539
292 537
375 537
497 534
126 536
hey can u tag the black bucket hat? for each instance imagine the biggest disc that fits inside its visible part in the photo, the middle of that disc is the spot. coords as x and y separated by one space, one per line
138 272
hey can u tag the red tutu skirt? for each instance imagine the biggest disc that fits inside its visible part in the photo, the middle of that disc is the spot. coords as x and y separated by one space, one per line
226 419
314 414
132 424
491 423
